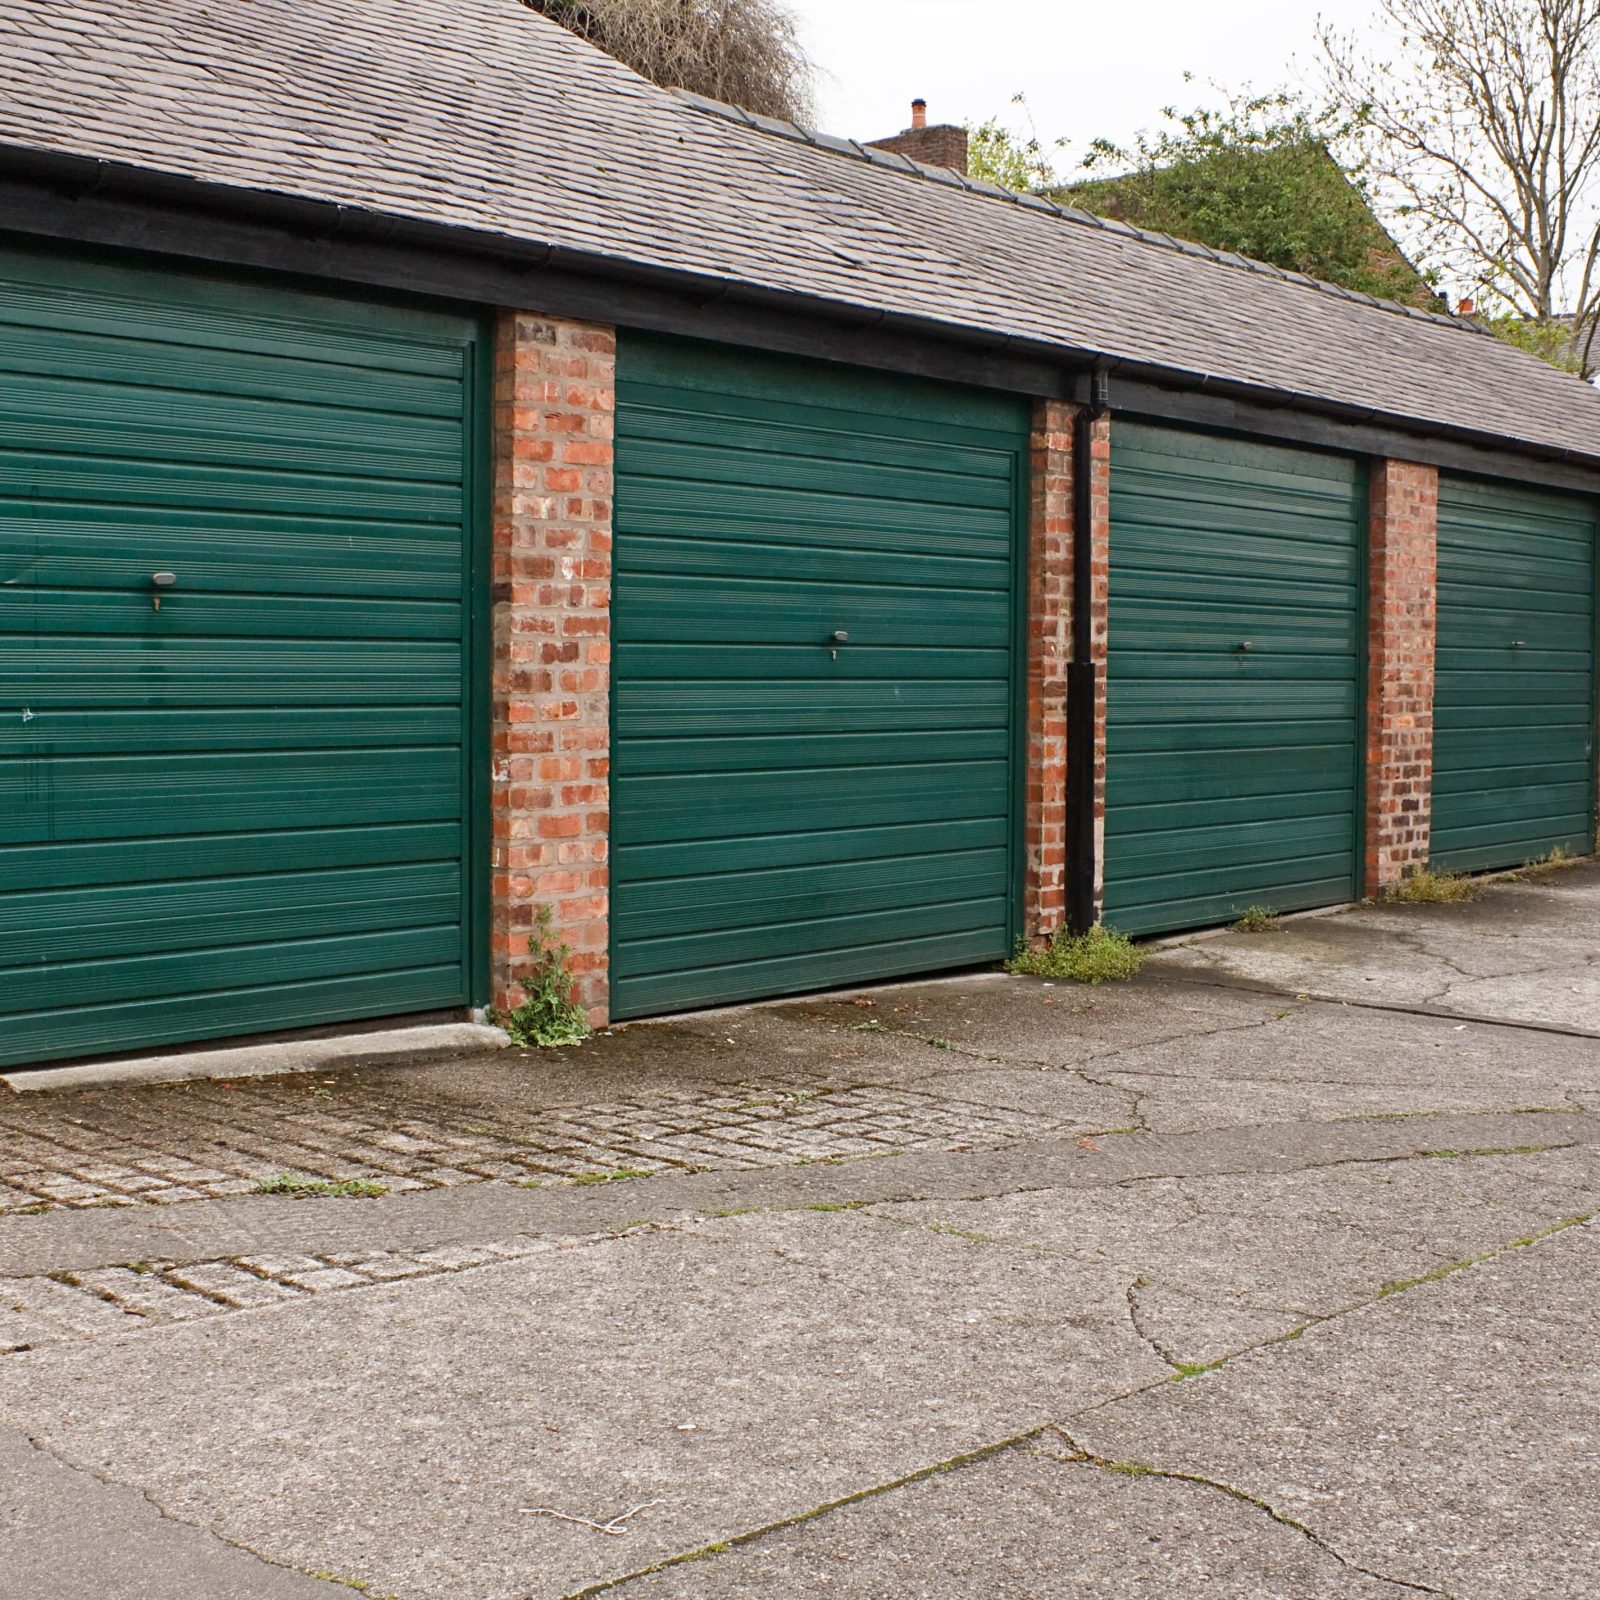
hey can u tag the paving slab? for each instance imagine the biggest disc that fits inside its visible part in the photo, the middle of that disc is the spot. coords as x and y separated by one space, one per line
1220 1263
1319 1061
1032 1020
1023 1524
738 1374
1446 1435
65 1534
1523 951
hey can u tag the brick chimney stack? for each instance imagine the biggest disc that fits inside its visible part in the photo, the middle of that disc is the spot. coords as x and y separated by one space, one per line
942 145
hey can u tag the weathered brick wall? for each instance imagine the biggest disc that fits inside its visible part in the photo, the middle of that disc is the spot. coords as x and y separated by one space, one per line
1099 604
1049 650
554 405
1401 581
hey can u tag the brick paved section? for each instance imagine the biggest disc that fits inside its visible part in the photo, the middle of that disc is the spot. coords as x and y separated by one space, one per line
208 1140
1401 582
90 1305
554 406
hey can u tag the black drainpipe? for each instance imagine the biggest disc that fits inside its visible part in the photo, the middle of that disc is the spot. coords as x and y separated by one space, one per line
1081 670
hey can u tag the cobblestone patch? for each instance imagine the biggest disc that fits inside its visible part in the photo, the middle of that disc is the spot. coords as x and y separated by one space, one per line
206 1141
87 1305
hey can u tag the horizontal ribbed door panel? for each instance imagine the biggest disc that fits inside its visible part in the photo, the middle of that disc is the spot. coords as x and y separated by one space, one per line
1233 678
786 816
245 810
1513 708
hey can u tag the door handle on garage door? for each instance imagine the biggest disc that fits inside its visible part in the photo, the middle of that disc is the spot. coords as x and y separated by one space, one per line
835 639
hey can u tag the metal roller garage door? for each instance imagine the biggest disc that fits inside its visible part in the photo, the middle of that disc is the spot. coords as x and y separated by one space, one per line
790 813
245 807
1233 679
1513 753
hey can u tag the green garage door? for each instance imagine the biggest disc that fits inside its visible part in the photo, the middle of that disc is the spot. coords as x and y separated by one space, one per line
790 813
1513 752
1233 681
244 809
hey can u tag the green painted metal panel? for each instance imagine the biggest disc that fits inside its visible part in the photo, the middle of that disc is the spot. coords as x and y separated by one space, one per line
250 808
1231 773
784 818
1514 703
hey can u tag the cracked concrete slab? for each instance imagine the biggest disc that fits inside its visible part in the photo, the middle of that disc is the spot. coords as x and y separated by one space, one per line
738 1373
1220 1263
1021 1524
1523 952
1318 1061
63 1532
1026 1020
1446 1435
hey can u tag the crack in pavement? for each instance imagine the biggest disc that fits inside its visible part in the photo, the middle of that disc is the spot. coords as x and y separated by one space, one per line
226 1229
205 1530
1139 1469
1144 1333
748 1536
1397 1007
1386 1291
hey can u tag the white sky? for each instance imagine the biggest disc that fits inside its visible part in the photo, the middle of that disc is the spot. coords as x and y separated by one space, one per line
1105 68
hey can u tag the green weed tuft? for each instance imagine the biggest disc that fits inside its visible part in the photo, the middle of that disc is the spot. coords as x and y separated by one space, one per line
548 1018
1102 955
1426 887
322 1188
1551 861
1260 919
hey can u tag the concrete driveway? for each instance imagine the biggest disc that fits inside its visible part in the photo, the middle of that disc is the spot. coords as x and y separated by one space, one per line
1271 1274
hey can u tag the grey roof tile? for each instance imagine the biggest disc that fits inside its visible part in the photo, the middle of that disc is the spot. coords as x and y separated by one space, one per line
481 114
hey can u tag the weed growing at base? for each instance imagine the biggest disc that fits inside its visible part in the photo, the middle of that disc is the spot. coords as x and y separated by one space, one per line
1428 888
1102 955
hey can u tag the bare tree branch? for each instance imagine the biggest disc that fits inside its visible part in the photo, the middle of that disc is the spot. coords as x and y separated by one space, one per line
1481 134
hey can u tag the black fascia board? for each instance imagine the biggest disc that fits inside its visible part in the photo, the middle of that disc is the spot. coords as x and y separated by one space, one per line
58 196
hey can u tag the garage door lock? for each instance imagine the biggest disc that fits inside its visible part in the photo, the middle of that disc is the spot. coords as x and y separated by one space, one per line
835 639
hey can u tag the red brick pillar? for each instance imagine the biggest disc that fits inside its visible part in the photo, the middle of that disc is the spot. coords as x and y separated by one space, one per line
1051 557
1049 649
1099 590
1402 573
554 404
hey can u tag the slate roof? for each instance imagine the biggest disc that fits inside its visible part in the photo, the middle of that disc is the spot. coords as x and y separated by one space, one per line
483 115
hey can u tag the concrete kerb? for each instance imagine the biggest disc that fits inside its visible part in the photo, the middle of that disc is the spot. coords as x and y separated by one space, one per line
263 1060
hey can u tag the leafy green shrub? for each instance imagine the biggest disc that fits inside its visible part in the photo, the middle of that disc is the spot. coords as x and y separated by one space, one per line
1102 955
548 1017
1428 888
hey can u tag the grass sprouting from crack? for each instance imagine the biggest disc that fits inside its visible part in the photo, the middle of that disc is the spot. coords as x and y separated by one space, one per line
1450 1268
322 1188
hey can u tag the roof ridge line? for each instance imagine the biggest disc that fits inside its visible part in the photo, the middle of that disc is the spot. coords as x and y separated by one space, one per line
949 178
